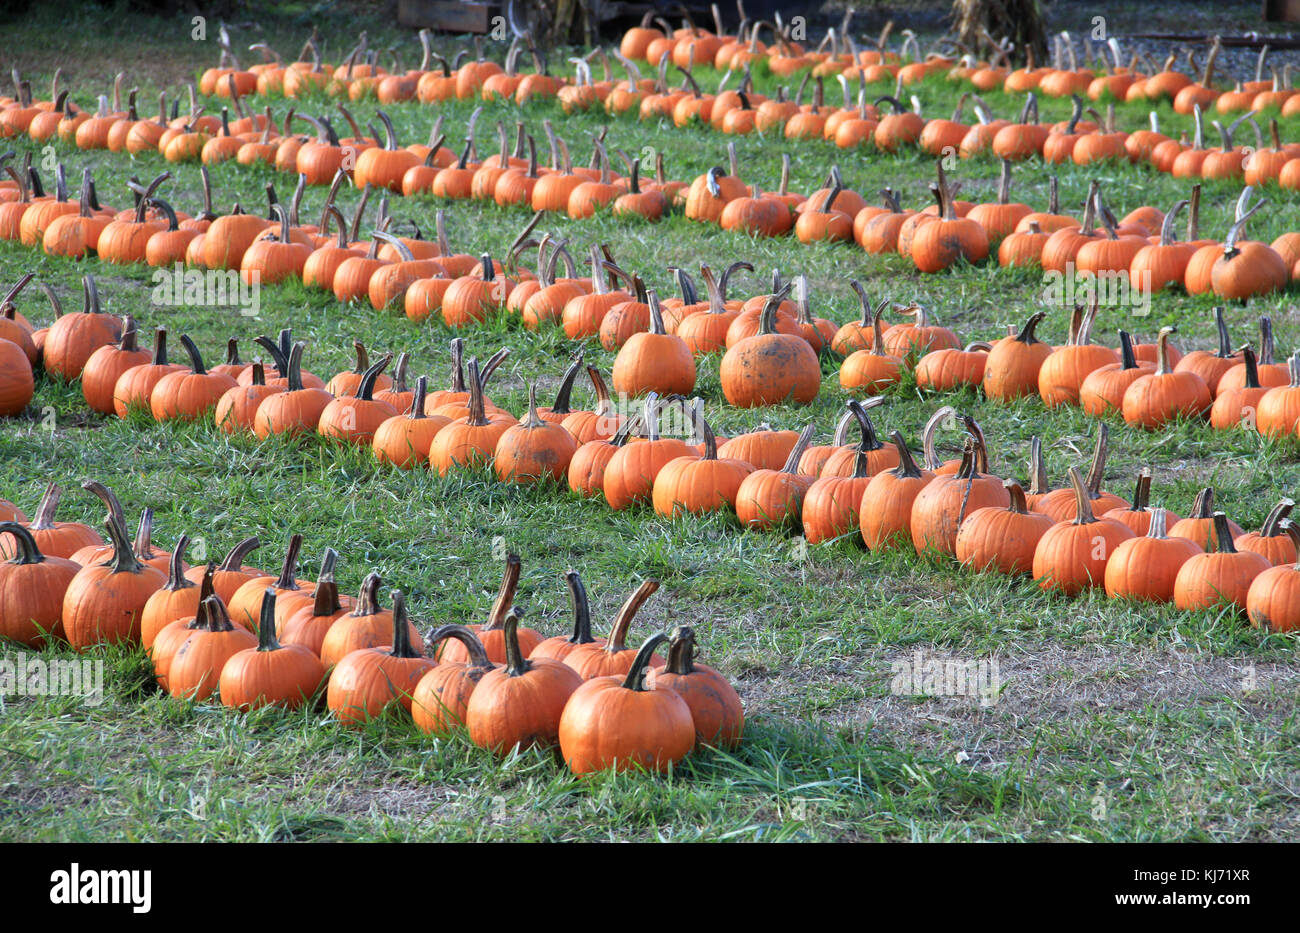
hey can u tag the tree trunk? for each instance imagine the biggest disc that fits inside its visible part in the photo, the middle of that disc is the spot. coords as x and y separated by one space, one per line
982 23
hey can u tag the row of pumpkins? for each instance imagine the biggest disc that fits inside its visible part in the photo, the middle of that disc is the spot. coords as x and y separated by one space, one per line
741 110
767 478
1141 248
256 639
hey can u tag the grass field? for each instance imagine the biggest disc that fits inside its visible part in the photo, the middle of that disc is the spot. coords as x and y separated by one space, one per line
1115 722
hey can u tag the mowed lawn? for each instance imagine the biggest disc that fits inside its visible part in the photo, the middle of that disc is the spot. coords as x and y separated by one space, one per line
1114 721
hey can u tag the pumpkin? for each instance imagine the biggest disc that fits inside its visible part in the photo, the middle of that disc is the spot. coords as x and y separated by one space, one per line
885 512
1158 265
706 331
1063 372
55 538
1218 576
872 369
1072 556
911 340
763 448
104 602
1278 413
1211 366
587 467
33 587
1002 539
1247 268
1267 373
1147 567
629 474
520 704
309 625
1272 539
944 503
880 456
73 338
367 680
832 504
295 411
441 698
716 709
1272 599
1199 523
1138 516
471 440
17 382
770 498
179 597
560 647
356 419
699 484
193 669
106 365
600 424
367 625
1102 390
619 723
654 361
999 219
270 674
1155 399
942 243
1013 363
188 394
770 368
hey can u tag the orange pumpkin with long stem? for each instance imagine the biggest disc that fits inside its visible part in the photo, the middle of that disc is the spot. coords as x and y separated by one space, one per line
1002 539
1155 399
1218 576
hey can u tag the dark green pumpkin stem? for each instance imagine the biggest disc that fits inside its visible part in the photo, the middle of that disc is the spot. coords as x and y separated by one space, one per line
294 373
1277 515
366 388
176 579
288 579
402 647
214 616
326 595
196 361
124 558
1026 334
478 657
27 550
160 346
1223 542
565 394
266 640
581 610
1128 359
516 664
636 676
278 359
906 464
681 651
235 557
800 447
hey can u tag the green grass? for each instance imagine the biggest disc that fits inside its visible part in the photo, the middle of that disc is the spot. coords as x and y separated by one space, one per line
1116 722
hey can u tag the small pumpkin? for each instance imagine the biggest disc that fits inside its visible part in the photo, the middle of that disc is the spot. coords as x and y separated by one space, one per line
1220 575
270 674
367 680
1072 556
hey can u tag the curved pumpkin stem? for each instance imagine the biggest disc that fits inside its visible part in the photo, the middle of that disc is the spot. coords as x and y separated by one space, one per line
505 595
617 640
478 656
636 676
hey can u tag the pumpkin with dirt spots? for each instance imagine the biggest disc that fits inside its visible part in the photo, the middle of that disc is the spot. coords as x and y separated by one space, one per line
770 368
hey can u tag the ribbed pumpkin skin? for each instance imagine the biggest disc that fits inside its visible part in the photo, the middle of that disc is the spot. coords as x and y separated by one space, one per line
630 474
1063 372
698 486
1153 400
940 508
103 606
1212 579
715 707
195 668
885 514
1000 539
1146 568
17 382
1273 600
768 369
366 681
769 498
605 725
289 676
31 599
832 506
506 711
1070 558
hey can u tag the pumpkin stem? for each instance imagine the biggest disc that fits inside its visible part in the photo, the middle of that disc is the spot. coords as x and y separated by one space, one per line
366 388
930 456
1026 334
506 595
478 656
325 599
581 609
1223 542
1038 483
235 556
367 603
27 551
796 453
622 622
1203 504
516 664
1019 504
288 579
636 676
1083 501
1163 366
1252 367
213 616
1272 524
767 319
1128 359
1098 469
266 640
